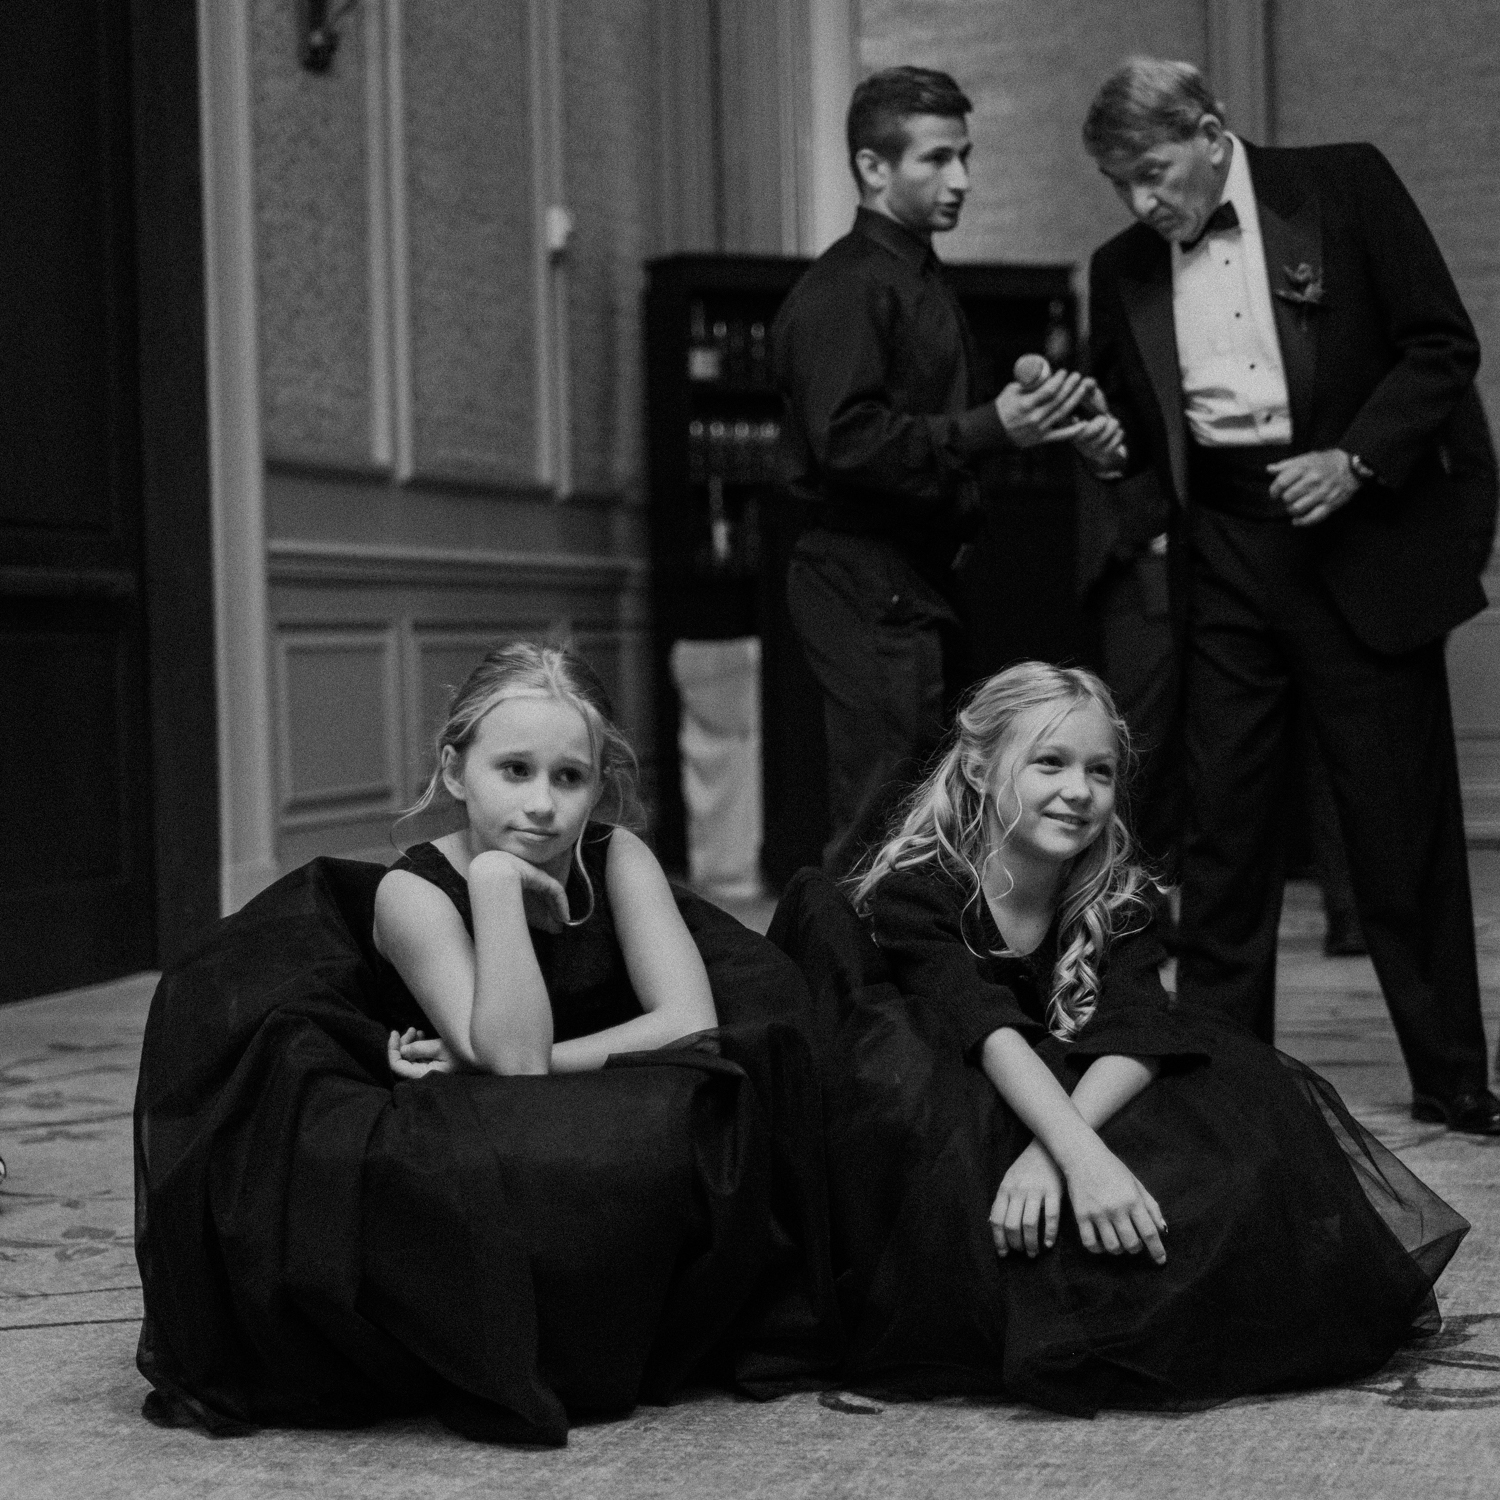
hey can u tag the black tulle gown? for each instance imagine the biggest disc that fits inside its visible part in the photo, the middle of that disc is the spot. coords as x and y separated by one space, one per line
1300 1251
322 1245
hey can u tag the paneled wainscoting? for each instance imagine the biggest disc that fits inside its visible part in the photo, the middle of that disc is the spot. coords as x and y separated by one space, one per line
367 642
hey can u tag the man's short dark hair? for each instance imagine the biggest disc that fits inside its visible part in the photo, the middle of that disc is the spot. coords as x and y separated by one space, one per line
886 100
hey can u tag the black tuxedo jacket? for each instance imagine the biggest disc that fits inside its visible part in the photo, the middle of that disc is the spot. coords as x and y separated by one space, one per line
1382 366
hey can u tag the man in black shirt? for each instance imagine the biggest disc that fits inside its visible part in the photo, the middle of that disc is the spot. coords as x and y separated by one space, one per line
873 356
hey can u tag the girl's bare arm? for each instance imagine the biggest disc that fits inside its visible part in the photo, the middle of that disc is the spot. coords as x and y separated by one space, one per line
665 967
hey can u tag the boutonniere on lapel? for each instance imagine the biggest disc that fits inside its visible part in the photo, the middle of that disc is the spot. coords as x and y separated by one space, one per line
1303 289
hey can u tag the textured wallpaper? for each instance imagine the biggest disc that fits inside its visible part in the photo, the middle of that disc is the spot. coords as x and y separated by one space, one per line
470 222
609 171
311 245
1424 85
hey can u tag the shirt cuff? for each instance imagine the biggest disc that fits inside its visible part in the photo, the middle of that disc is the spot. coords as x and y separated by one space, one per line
979 430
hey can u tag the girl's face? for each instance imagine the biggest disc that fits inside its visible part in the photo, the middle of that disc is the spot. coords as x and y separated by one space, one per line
1054 787
527 780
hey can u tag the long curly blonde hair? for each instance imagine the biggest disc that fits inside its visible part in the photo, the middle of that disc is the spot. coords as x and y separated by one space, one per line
944 823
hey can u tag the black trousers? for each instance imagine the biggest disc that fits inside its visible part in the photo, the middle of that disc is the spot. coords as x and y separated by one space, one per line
883 644
1262 635
1139 661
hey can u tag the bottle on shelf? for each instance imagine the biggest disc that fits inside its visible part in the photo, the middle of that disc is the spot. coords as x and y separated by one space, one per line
718 449
760 355
768 441
1058 342
705 361
719 539
697 451
737 351
741 455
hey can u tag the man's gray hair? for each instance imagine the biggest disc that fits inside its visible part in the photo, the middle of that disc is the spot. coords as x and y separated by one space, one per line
1145 101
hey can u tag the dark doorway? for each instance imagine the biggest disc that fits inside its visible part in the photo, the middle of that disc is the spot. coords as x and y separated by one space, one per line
108 851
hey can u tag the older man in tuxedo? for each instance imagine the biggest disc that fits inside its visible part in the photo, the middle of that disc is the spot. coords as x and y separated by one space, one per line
1287 352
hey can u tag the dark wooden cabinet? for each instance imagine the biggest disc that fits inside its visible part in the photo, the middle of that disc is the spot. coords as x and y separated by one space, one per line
722 528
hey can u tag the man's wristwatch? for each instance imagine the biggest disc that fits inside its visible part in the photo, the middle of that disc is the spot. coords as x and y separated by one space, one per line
1360 469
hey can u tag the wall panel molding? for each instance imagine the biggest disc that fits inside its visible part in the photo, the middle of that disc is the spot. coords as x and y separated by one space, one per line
376 634
389 266
380 565
339 729
551 227
247 823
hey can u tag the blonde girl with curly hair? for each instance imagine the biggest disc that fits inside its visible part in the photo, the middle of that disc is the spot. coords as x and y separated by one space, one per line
1022 815
1006 1048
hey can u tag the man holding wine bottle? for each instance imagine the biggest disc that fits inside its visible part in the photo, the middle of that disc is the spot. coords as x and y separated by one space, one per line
873 357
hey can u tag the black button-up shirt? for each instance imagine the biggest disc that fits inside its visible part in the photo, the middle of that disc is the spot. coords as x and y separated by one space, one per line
871 352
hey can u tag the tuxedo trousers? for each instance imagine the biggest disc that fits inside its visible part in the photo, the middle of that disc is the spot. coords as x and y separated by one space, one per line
1263 637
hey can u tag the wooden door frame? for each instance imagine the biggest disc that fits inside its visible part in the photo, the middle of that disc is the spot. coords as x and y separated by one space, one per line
176 490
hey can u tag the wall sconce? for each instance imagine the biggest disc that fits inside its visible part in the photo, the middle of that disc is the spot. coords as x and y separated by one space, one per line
317 31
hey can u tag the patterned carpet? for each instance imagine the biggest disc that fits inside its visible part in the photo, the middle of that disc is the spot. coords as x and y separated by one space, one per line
70 1302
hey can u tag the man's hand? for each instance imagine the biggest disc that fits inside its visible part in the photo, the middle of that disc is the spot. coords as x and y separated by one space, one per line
1045 413
1313 485
1101 444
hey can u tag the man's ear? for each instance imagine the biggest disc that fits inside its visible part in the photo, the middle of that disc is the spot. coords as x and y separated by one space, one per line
1211 128
874 170
452 763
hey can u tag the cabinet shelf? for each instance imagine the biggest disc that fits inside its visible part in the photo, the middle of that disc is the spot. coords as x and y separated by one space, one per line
720 550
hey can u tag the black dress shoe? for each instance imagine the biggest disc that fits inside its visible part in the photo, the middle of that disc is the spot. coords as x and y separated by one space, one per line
1474 1113
1343 937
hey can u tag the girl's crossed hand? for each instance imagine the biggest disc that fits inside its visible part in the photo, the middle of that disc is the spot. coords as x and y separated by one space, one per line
412 1055
1028 1206
1115 1213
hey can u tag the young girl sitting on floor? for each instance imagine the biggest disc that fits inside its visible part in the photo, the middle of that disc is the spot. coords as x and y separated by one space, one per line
534 939
1048 1183
322 1244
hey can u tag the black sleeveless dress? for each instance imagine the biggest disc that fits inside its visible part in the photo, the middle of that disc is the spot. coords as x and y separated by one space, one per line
322 1245
582 966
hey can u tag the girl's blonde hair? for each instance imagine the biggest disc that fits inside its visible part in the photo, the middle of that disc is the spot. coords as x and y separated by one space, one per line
943 822
524 668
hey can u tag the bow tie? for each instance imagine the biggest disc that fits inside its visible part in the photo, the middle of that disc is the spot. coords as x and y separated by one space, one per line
1223 217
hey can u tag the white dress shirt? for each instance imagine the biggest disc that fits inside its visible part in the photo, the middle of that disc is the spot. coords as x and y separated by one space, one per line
1233 383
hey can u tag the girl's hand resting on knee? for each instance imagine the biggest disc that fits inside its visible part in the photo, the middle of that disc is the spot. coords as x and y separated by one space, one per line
1115 1213
412 1055
1028 1206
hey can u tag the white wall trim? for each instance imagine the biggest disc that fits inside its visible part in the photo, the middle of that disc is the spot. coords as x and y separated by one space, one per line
377 193
392 202
831 29
379 564
1239 64
247 811
554 446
